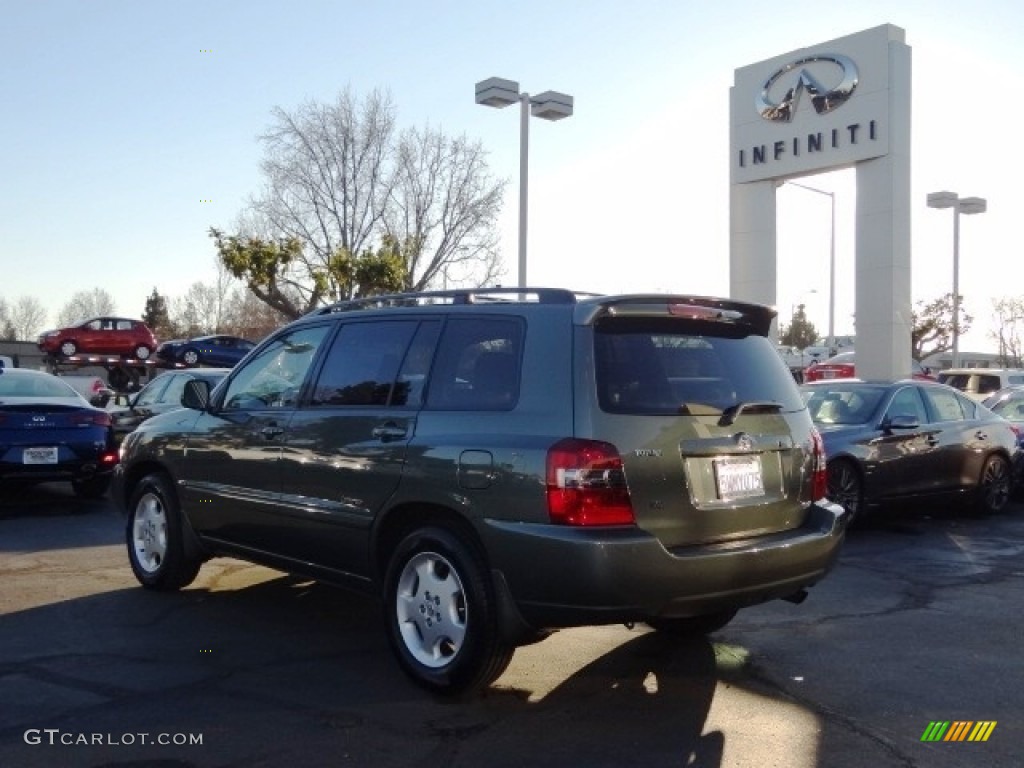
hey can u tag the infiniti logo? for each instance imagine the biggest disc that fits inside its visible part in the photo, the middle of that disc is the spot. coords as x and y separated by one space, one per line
824 100
38 418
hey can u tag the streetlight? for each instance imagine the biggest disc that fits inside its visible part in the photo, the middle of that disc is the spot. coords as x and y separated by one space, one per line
550 105
831 260
967 205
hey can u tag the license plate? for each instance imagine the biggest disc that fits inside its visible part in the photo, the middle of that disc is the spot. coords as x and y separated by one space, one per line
739 477
828 374
39 456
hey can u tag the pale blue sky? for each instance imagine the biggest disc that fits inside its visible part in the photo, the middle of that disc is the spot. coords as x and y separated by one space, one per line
115 126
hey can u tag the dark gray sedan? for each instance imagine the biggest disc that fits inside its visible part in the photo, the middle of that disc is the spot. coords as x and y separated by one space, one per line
893 441
160 395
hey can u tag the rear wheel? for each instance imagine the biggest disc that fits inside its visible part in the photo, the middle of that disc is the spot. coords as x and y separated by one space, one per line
993 486
692 626
142 352
68 348
155 537
846 488
440 612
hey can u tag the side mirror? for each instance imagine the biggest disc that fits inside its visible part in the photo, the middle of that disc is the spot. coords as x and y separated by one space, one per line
101 398
196 395
901 421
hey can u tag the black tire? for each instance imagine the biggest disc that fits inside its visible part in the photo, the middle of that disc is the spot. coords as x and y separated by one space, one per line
692 626
155 537
142 352
68 348
846 488
993 486
190 357
440 613
93 488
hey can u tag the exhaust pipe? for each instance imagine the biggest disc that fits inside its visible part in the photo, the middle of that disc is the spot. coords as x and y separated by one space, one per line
797 597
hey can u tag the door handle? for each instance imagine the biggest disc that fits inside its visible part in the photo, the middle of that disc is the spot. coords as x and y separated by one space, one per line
932 440
981 435
388 431
271 432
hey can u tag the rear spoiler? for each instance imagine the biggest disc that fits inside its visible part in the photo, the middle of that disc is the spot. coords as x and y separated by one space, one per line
756 316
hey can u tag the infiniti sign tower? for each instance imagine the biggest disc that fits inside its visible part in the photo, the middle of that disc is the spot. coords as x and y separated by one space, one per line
841 104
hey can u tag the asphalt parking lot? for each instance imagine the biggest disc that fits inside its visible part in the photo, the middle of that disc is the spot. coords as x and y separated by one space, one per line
920 622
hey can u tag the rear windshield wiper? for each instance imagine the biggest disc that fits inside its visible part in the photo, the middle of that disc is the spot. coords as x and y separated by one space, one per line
730 414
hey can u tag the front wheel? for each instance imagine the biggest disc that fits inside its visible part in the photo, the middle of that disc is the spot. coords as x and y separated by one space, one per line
190 357
440 613
993 486
846 488
155 537
692 626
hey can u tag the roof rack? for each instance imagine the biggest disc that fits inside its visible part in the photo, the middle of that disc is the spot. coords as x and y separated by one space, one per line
456 296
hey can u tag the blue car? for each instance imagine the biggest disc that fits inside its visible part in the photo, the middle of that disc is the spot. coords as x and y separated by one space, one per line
49 432
218 351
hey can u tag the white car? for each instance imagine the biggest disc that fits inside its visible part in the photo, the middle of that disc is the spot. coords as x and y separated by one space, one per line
979 383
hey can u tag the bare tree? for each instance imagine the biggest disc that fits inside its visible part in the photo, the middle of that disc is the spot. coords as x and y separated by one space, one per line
6 327
1010 324
27 316
326 177
204 307
86 304
350 208
444 208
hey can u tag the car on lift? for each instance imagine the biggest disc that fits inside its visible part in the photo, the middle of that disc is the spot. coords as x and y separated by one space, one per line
105 335
217 350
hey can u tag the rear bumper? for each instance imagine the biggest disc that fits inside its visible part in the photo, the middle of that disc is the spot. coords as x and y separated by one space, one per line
560 577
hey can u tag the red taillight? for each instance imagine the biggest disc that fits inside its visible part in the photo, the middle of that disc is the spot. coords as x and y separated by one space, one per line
587 485
109 458
819 473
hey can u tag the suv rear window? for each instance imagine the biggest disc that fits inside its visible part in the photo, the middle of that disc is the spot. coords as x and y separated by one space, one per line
667 366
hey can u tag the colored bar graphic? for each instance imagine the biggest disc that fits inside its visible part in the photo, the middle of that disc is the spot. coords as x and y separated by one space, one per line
958 730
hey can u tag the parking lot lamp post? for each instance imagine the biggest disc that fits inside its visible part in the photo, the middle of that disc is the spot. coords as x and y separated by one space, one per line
550 105
966 205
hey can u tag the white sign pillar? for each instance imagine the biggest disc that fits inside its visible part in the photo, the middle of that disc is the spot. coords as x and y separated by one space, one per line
843 103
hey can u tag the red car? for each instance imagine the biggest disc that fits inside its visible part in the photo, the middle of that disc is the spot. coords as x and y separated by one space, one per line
101 336
841 366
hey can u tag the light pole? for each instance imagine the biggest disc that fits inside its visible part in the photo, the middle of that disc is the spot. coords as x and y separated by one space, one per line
831 260
967 205
550 105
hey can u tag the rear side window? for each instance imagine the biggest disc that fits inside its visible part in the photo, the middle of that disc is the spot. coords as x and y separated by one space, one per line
946 405
477 366
988 384
671 366
363 363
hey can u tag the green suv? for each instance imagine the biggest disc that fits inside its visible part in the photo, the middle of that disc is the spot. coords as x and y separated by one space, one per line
497 464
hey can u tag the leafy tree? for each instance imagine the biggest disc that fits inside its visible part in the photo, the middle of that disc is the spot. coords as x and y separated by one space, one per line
157 317
800 333
351 207
85 304
932 326
26 317
1010 318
